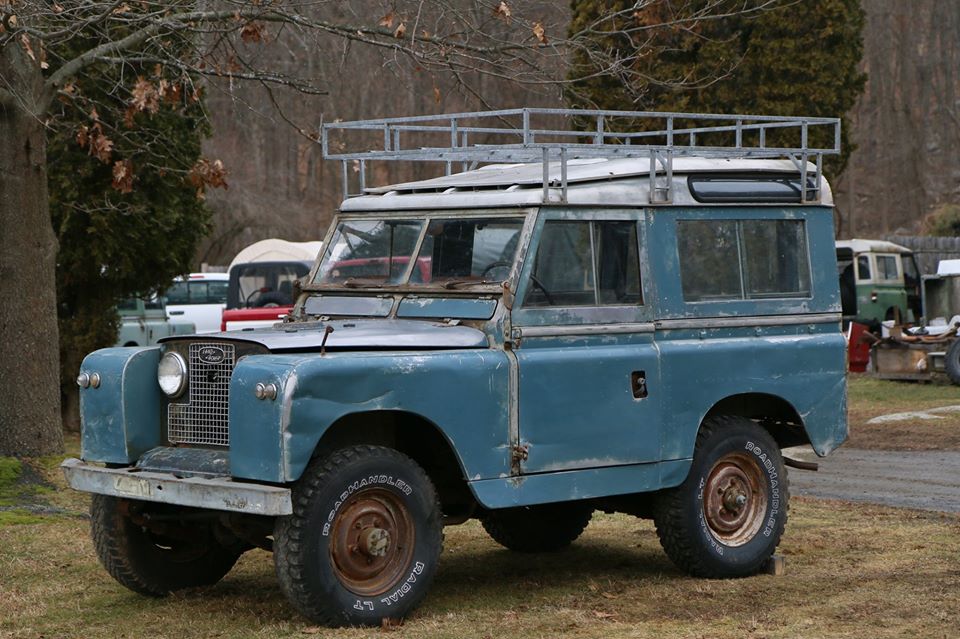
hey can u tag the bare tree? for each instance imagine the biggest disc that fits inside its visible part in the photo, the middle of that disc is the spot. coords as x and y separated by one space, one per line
45 45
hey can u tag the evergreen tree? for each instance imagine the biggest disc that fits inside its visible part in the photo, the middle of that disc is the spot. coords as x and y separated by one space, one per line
126 215
791 59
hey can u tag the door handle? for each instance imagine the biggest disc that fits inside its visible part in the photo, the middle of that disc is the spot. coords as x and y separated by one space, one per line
638 384
175 312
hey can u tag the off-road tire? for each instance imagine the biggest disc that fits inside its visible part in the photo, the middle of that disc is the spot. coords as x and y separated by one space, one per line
693 537
329 502
531 529
951 361
151 564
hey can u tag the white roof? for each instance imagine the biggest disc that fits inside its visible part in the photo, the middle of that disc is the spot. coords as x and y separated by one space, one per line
200 277
277 250
872 246
590 181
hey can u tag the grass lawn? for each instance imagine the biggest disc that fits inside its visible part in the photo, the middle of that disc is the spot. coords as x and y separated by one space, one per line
870 398
852 570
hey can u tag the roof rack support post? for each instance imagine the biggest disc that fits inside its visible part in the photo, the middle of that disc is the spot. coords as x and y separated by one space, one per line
386 137
344 177
668 194
763 136
598 138
546 175
817 192
803 179
739 134
363 176
563 174
526 127
464 166
396 139
653 177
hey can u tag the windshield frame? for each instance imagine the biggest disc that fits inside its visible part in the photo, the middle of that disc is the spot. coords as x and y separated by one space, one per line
527 215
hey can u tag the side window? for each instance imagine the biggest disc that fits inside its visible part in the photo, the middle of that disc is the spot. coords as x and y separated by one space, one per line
217 292
743 259
198 293
178 293
586 264
887 267
863 268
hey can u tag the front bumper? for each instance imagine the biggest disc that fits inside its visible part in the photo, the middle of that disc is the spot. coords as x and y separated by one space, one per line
213 493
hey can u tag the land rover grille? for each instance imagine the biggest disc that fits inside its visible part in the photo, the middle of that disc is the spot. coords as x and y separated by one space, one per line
201 416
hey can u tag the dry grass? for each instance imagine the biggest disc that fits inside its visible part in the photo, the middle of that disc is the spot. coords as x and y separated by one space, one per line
852 571
869 398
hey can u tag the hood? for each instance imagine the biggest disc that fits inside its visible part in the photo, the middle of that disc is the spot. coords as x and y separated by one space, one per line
388 334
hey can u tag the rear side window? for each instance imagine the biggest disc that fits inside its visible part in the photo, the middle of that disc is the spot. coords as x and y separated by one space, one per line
743 259
586 264
887 267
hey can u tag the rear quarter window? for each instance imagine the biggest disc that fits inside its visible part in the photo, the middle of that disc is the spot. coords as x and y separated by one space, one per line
743 259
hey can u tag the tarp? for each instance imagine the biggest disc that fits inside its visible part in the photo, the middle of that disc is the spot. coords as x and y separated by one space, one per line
277 250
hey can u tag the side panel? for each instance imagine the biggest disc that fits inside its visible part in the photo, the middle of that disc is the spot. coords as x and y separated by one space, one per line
463 392
121 418
791 347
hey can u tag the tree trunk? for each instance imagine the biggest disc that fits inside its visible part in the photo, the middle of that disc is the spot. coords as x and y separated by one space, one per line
29 352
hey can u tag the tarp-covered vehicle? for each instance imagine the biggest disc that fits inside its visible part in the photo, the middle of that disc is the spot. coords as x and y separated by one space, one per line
582 326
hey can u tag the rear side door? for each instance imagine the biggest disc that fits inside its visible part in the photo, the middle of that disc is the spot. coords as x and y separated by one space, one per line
583 335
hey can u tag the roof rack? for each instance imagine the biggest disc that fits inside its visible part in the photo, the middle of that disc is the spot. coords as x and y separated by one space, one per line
546 136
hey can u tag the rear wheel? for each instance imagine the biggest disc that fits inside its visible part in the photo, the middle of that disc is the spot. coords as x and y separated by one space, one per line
546 528
159 559
364 538
726 518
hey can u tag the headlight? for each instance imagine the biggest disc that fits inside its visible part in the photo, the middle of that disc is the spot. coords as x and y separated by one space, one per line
172 374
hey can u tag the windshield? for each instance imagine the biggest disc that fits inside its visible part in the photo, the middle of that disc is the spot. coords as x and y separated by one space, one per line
452 251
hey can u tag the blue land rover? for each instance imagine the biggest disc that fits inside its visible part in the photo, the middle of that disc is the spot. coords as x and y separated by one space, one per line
626 321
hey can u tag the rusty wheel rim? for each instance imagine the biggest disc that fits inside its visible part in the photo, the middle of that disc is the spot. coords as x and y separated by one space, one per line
735 499
372 542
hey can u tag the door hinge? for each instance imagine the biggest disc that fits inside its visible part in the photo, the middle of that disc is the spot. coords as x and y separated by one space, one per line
520 453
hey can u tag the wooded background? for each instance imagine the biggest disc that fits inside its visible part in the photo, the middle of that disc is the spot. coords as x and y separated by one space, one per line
906 127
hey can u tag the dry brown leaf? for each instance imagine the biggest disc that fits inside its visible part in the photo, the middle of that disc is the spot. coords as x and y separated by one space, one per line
502 11
436 95
253 32
599 614
25 41
387 20
144 96
100 146
401 30
123 176
128 115
539 32
205 174
83 136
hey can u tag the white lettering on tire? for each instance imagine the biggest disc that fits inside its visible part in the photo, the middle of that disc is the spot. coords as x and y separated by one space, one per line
386 480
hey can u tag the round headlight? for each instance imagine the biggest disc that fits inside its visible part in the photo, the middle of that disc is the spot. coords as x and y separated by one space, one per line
172 374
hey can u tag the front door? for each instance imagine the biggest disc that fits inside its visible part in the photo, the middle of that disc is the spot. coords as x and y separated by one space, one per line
588 364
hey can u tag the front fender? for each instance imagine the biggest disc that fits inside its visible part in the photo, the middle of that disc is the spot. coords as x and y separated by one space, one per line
464 392
121 417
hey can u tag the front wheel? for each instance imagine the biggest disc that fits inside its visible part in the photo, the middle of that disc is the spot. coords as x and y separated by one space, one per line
726 518
364 538
162 558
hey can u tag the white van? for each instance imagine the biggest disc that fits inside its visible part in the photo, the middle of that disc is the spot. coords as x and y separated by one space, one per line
199 298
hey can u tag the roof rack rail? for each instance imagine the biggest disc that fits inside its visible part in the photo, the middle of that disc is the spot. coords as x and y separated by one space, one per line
534 135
